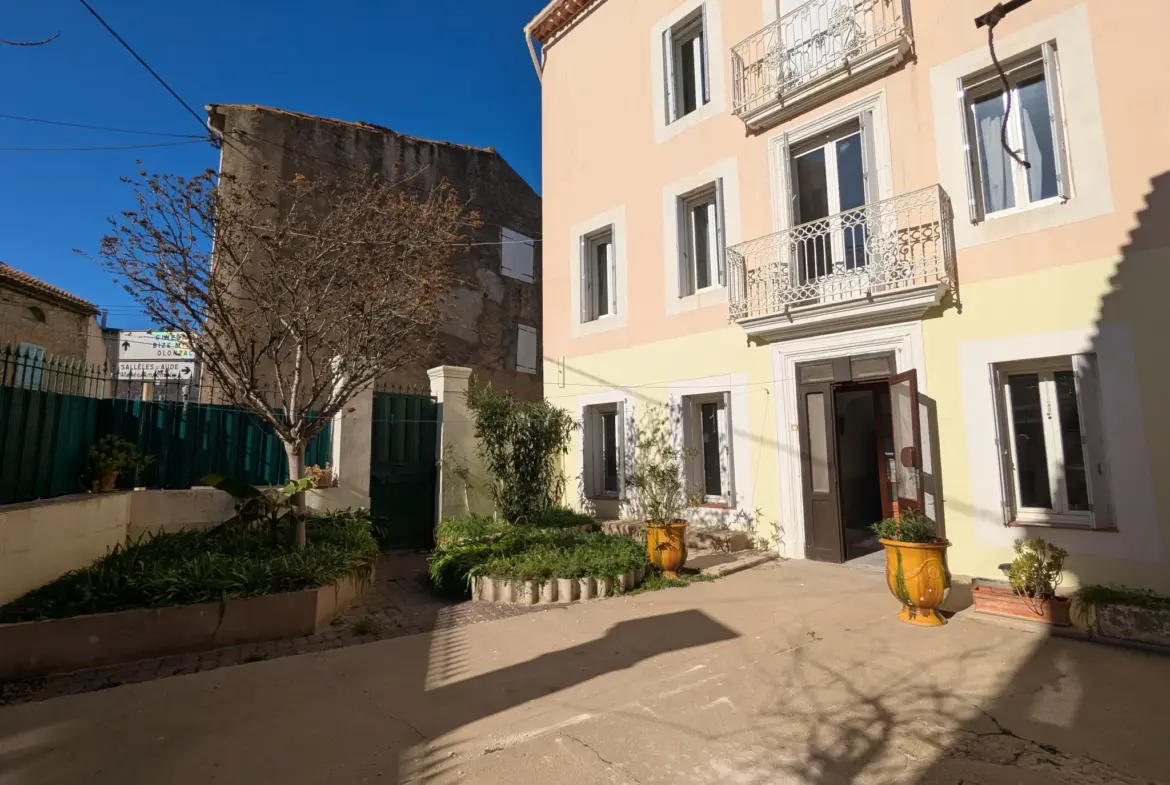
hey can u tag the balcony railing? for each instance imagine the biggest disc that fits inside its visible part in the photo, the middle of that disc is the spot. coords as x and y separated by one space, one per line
899 246
811 42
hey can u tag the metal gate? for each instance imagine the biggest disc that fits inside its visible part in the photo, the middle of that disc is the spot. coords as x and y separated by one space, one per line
403 468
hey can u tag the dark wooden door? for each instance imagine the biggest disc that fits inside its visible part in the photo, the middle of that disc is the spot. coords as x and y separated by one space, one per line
824 537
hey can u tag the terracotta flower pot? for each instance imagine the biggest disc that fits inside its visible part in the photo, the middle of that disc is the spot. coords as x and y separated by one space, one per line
107 482
917 575
1005 602
666 546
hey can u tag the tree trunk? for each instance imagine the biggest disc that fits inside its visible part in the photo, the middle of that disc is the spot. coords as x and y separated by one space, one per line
296 470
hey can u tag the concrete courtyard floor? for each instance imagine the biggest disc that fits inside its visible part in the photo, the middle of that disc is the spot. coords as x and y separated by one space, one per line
790 673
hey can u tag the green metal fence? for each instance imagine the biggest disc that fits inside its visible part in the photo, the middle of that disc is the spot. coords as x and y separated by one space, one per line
52 412
403 467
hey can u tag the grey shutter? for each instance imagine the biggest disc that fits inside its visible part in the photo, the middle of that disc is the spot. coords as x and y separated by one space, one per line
621 448
1093 432
690 478
668 74
1056 117
720 233
705 71
869 158
586 283
1003 446
729 491
611 271
970 158
686 278
590 426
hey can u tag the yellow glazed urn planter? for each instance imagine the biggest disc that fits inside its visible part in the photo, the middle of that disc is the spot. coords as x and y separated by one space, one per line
917 575
666 546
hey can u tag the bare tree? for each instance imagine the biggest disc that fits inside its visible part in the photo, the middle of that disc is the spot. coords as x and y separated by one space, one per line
295 294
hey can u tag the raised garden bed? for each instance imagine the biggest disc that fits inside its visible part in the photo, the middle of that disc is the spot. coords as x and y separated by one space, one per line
1000 601
1126 616
184 591
504 591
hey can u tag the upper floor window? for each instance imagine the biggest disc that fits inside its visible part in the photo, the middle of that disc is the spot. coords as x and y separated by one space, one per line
702 239
1034 129
598 275
684 48
36 314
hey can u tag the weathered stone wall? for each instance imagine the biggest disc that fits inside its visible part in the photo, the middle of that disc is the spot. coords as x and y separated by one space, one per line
64 332
488 305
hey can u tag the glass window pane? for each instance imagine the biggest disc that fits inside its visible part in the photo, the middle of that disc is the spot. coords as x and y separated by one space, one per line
609 450
700 226
1076 482
1027 423
601 278
995 167
818 441
685 68
1039 150
709 417
812 203
850 175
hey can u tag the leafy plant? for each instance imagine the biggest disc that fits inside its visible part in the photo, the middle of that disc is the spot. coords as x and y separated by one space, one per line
271 507
521 443
564 518
656 477
114 455
1037 569
1093 595
467 527
164 569
909 526
322 476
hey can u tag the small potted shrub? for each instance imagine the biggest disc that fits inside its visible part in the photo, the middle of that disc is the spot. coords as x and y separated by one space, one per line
657 481
1034 575
110 458
916 566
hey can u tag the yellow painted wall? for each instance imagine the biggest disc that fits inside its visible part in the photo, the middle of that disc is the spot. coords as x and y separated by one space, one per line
1126 292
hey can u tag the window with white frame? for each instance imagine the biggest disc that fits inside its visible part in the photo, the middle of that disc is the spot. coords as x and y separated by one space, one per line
702 240
603 461
707 444
684 48
1051 441
598 275
997 184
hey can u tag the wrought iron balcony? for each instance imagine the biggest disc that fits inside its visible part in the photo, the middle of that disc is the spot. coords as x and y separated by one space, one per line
879 263
813 52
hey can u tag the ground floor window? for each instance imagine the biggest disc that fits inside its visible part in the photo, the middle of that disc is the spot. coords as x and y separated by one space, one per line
707 443
603 459
1050 440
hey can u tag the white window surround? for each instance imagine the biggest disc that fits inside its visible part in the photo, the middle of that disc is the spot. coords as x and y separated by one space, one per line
615 218
716 69
741 442
727 170
1084 133
1131 493
779 145
905 340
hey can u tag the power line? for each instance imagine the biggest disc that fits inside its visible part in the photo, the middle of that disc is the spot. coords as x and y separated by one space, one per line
97 148
99 127
198 118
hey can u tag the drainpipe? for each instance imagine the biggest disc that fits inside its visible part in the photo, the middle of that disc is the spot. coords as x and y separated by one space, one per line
537 63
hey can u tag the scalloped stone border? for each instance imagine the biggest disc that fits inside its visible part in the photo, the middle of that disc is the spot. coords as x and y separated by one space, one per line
556 591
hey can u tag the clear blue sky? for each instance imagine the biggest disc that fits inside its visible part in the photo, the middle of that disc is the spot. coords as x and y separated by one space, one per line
456 70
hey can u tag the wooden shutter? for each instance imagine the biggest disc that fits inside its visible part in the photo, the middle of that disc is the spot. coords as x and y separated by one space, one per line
1003 446
668 75
1056 118
611 271
970 155
690 453
720 233
590 426
729 438
1093 434
704 86
869 158
686 277
621 448
586 283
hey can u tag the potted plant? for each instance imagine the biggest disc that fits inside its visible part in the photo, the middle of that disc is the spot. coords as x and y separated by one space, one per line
916 566
660 494
112 457
1034 575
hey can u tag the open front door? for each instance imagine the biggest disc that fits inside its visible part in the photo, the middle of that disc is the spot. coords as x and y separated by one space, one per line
823 535
906 473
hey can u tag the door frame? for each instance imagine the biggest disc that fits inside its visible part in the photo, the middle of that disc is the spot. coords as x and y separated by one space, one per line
904 339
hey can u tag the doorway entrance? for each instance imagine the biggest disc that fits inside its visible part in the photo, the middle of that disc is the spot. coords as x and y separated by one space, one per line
860 450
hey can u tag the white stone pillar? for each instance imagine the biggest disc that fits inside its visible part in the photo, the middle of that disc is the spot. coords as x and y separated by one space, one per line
461 477
352 440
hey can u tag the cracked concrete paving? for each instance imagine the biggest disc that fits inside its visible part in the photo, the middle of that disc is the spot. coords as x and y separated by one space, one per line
791 673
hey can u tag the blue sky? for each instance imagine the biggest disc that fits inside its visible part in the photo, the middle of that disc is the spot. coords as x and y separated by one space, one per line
456 70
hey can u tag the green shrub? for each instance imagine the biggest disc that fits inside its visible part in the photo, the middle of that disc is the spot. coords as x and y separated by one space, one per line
468 527
187 567
1093 595
1037 569
910 526
563 518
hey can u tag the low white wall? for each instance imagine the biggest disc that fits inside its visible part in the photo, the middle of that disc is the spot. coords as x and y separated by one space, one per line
42 540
